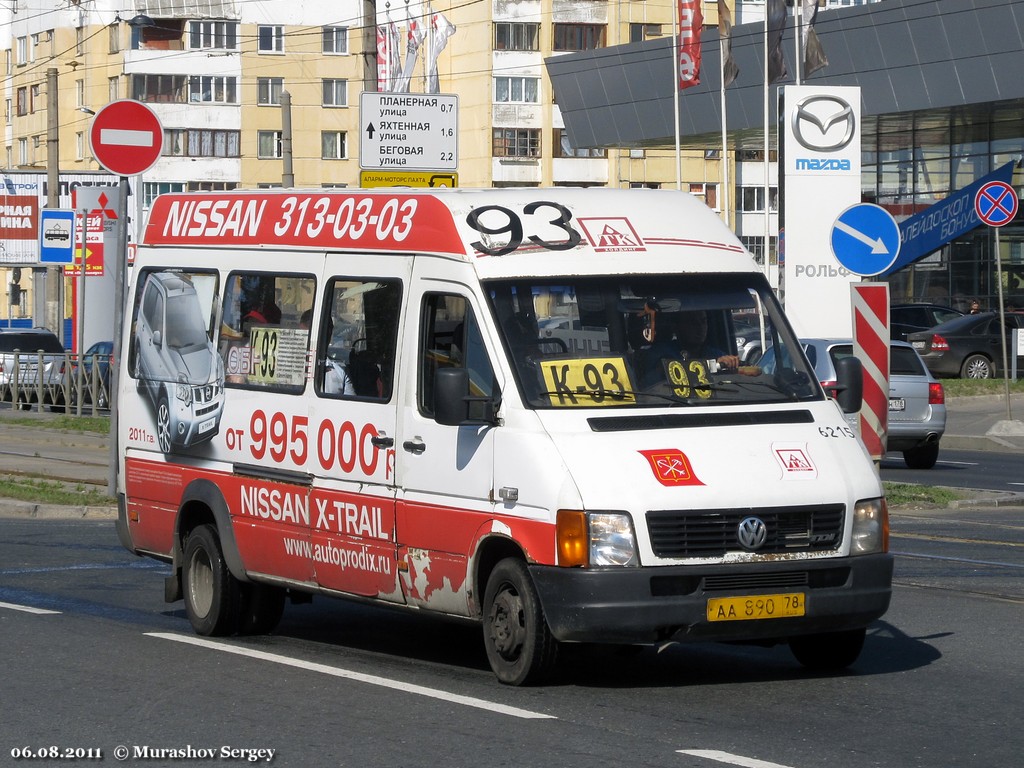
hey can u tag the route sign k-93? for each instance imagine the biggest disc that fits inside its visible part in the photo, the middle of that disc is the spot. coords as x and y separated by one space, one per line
409 131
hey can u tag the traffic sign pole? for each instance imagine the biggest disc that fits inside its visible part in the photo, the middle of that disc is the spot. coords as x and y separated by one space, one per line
996 204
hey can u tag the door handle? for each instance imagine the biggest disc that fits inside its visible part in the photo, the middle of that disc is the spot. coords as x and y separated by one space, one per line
416 446
381 441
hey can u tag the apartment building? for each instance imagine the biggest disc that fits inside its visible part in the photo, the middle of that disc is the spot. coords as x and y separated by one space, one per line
216 71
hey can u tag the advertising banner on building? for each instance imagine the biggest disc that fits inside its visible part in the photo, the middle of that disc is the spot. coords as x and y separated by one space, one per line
820 164
22 196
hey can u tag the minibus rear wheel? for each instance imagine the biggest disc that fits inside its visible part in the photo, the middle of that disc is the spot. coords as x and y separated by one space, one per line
212 594
520 647
828 651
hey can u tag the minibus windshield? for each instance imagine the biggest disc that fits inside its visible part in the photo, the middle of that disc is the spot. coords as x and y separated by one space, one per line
648 341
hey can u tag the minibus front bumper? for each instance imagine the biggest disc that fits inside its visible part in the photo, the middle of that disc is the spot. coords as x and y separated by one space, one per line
657 604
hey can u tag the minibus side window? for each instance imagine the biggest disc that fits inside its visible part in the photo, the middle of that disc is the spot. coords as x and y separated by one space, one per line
450 337
264 343
358 335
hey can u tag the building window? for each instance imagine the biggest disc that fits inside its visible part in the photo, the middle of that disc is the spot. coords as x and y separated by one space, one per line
8 109
22 151
268 144
159 88
335 93
516 90
645 185
578 37
212 186
113 38
219 35
755 244
755 156
268 90
335 40
515 142
22 51
516 36
8 61
21 100
270 39
152 189
201 142
751 199
208 89
33 97
706 192
79 93
562 147
79 40
332 145
640 32
80 145
113 88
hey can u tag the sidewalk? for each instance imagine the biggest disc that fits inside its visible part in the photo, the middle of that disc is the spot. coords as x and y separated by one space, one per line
981 424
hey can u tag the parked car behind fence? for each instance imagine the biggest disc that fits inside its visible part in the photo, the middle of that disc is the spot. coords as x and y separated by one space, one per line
32 368
971 346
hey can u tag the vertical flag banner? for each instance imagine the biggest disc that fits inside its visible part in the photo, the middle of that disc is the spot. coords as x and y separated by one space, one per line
691 22
443 29
382 59
730 71
413 41
776 21
814 53
394 55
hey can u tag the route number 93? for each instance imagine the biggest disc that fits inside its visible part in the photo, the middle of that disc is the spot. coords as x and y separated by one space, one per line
688 378
502 221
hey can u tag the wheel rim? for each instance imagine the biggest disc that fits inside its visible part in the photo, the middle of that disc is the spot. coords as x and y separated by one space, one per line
977 369
200 583
506 623
163 426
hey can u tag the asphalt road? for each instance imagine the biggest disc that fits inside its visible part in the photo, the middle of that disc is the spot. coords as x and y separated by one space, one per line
94 659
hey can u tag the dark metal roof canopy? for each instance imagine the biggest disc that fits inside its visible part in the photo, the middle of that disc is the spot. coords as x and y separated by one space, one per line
908 56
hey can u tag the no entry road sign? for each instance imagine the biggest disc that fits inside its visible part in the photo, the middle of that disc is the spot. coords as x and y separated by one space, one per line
996 203
126 137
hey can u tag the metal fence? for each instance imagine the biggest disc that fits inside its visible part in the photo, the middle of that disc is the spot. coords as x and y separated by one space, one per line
47 381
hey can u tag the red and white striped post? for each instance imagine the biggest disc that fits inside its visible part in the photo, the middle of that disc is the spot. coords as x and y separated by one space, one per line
871 345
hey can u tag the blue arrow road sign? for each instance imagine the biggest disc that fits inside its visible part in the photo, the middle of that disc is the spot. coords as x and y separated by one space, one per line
866 239
57 235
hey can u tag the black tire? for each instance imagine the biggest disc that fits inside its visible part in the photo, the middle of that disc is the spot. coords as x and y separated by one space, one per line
163 424
212 594
922 457
262 608
828 651
976 367
520 647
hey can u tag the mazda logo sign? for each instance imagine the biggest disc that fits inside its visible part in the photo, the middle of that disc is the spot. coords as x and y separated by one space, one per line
823 123
752 533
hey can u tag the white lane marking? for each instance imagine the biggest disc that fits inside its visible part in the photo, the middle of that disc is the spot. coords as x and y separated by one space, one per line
725 757
125 137
383 682
28 609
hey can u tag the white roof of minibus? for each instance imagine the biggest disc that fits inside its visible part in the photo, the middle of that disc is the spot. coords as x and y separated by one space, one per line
526 231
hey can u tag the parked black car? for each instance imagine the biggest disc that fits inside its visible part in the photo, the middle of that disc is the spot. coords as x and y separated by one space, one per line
905 319
98 356
39 358
970 346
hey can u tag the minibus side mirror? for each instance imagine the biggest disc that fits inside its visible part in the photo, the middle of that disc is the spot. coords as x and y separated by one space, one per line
452 399
850 384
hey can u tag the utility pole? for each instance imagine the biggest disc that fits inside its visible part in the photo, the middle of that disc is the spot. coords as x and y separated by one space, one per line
370 45
287 175
50 276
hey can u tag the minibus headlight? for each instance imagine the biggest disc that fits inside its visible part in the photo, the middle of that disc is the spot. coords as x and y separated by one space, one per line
595 539
870 527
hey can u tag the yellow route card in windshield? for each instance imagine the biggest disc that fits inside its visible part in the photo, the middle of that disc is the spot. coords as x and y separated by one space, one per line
588 382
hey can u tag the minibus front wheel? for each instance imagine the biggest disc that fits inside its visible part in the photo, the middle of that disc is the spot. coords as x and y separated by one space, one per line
520 646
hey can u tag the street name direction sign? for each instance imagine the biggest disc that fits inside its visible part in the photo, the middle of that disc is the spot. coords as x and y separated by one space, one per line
408 131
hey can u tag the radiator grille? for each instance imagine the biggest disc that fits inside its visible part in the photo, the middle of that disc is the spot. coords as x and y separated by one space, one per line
713 533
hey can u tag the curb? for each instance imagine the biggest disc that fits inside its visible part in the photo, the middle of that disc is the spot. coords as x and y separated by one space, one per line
34 511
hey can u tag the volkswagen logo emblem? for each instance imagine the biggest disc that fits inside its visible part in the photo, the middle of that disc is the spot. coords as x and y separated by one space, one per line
823 123
751 533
